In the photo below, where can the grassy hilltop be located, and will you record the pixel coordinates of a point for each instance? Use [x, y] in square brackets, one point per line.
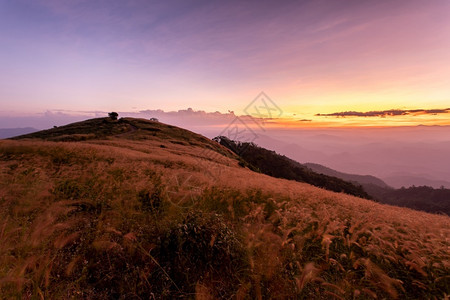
[134, 209]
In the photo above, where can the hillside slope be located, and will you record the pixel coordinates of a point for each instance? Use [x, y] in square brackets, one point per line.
[271, 163]
[423, 198]
[142, 213]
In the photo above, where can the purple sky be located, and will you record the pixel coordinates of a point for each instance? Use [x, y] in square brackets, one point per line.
[310, 56]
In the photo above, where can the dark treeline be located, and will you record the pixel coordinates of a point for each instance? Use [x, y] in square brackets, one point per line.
[423, 198]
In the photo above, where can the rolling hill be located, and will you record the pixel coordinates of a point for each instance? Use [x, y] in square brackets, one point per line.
[365, 186]
[134, 209]
[276, 165]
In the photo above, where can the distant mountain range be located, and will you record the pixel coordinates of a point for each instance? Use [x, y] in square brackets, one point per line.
[419, 156]
[273, 164]
[420, 196]
[399, 181]
[269, 162]
[11, 132]
[361, 179]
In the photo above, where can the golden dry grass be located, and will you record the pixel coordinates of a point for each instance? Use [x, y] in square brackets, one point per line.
[90, 220]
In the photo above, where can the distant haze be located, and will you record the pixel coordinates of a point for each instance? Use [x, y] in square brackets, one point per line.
[11, 132]
[399, 156]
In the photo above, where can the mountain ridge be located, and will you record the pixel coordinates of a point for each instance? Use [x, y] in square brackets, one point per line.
[273, 164]
[399, 181]
[361, 179]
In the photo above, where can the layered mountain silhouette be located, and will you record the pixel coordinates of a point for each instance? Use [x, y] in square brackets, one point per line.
[407, 180]
[420, 197]
[365, 186]
[364, 180]
[280, 166]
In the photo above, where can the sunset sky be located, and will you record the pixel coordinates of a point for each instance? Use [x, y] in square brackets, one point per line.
[312, 58]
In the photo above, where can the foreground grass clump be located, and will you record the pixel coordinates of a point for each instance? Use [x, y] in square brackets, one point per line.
[202, 249]
[103, 231]
[108, 220]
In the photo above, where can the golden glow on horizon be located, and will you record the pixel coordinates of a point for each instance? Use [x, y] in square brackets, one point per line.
[351, 121]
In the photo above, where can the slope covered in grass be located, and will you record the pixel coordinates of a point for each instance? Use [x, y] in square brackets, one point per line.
[271, 163]
[423, 198]
[134, 215]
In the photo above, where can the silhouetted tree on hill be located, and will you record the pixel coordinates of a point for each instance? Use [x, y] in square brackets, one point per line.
[113, 115]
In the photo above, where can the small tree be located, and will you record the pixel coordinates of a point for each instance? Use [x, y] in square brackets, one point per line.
[113, 115]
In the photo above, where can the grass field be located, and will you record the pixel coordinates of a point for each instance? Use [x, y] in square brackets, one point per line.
[142, 210]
